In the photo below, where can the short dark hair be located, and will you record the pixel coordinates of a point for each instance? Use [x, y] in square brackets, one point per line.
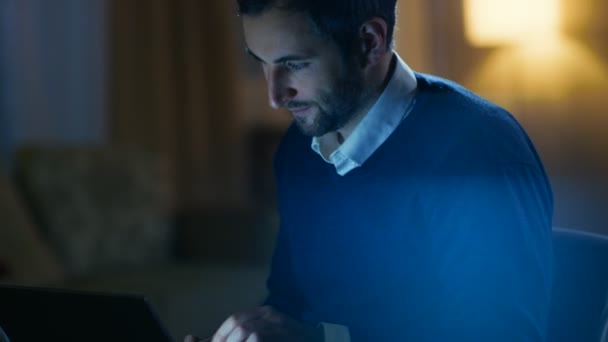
[338, 20]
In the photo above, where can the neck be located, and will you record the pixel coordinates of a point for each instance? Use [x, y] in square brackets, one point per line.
[377, 76]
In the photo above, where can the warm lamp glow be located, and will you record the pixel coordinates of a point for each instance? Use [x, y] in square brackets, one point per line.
[500, 22]
[548, 72]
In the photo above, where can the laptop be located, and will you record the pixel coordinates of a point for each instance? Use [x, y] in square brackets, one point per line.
[39, 314]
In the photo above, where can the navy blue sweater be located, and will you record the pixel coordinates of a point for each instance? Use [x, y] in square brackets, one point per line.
[443, 234]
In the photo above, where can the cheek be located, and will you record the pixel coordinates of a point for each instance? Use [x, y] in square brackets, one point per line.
[306, 88]
[312, 86]
[316, 81]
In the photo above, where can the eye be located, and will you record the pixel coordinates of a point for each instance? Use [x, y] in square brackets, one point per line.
[295, 66]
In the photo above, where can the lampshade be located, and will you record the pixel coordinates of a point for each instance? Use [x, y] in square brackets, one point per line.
[500, 22]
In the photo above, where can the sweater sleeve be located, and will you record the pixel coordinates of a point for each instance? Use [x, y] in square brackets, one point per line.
[283, 292]
[491, 257]
[486, 264]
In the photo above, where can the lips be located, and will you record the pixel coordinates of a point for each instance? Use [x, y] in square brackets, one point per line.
[299, 111]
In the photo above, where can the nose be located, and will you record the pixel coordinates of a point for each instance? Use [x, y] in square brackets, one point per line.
[279, 89]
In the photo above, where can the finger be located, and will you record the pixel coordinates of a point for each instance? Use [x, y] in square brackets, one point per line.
[250, 330]
[253, 338]
[235, 321]
[245, 332]
[239, 334]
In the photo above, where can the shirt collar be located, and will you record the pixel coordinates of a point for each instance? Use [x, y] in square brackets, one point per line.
[377, 125]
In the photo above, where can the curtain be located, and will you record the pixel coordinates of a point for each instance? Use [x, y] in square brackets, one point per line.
[6, 9]
[174, 68]
[52, 69]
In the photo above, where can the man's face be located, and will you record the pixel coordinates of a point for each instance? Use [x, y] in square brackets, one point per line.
[305, 73]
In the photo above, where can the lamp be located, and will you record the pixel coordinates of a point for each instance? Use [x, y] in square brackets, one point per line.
[535, 62]
[500, 22]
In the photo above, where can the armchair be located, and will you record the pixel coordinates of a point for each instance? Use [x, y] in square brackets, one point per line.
[580, 286]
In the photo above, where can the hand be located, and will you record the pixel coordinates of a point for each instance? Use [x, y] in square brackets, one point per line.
[266, 324]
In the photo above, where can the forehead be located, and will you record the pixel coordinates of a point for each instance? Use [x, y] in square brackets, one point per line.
[277, 32]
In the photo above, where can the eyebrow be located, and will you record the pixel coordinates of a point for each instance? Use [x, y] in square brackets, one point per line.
[283, 59]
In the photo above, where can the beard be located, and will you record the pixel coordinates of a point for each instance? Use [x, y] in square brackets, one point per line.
[335, 107]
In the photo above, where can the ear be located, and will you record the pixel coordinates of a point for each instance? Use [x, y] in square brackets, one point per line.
[373, 40]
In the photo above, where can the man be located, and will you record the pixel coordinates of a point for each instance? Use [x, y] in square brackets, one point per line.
[416, 212]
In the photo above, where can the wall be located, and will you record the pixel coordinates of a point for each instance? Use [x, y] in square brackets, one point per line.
[173, 89]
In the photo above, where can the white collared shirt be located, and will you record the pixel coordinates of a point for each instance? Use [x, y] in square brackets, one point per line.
[393, 105]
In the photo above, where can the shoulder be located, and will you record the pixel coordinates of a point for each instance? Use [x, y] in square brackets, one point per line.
[469, 125]
[452, 102]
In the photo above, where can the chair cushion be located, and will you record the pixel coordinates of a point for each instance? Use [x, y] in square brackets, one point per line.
[580, 286]
[103, 208]
[25, 256]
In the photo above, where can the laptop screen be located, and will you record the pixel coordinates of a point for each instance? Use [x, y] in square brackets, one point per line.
[30, 314]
